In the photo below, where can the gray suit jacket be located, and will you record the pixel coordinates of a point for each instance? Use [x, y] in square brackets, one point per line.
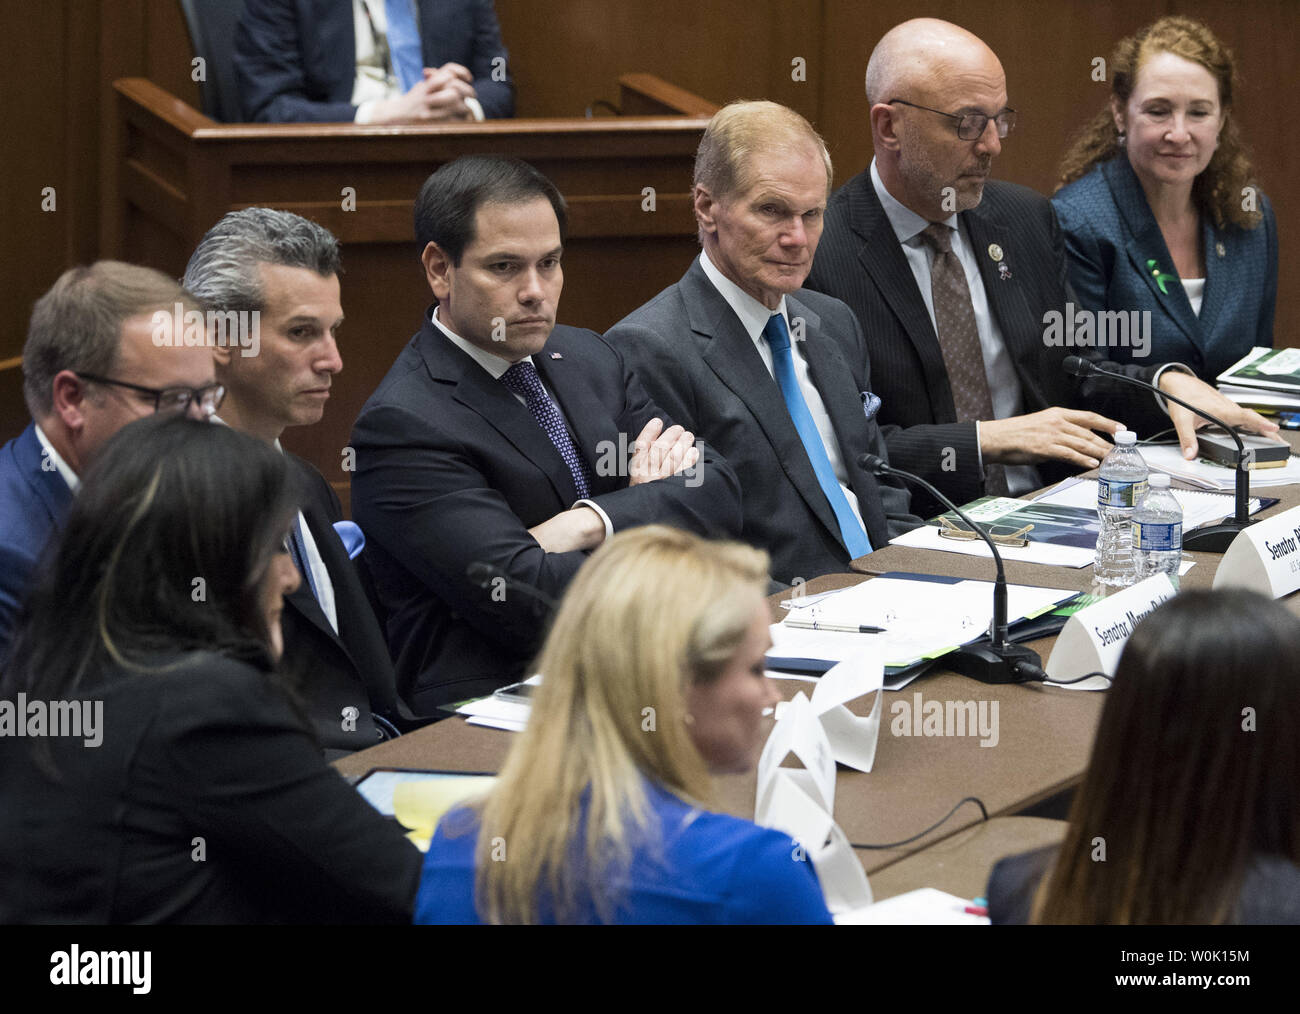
[697, 362]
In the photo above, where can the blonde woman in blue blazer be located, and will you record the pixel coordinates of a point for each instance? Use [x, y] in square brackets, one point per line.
[1160, 210]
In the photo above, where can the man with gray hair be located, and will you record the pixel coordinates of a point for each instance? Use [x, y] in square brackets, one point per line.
[105, 345]
[274, 276]
[954, 277]
[716, 350]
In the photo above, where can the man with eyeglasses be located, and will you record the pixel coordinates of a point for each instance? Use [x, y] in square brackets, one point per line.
[92, 363]
[951, 275]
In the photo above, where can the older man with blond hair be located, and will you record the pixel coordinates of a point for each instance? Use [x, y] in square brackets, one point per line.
[776, 377]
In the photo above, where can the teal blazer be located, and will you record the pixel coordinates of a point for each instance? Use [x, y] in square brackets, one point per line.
[1111, 238]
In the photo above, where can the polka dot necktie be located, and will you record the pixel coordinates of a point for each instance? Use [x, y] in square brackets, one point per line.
[522, 379]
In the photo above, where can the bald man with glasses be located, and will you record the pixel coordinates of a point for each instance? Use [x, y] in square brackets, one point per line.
[951, 276]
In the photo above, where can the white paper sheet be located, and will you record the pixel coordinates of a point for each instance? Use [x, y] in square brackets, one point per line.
[852, 737]
[497, 723]
[927, 906]
[1199, 506]
[922, 618]
[1167, 458]
[798, 732]
[497, 708]
[796, 801]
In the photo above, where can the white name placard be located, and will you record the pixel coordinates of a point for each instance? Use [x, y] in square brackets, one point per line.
[1093, 638]
[1264, 557]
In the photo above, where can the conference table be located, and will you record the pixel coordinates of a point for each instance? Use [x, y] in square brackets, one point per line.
[1044, 739]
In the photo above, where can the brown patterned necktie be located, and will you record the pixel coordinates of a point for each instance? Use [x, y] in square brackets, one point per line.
[959, 341]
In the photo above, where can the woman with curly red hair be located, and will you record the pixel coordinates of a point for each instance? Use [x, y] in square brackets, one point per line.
[1160, 207]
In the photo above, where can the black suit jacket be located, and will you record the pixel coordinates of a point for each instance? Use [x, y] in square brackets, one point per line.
[860, 261]
[694, 356]
[452, 470]
[205, 801]
[295, 60]
[336, 671]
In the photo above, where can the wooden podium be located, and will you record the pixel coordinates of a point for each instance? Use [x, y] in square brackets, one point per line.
[171, 173]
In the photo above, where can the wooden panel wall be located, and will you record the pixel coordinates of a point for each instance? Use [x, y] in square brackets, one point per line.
[565, 53]
[727, 49]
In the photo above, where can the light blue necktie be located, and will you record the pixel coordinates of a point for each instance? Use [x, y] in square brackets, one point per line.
[404, 43]
[855, 538]
[299, 546]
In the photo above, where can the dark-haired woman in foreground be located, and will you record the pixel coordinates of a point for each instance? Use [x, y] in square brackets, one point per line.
[194, 791]
[653, 678]
[1190, 809]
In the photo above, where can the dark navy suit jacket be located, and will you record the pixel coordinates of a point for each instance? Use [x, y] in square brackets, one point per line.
[347, 669]
[1111, 234]
[295, 60]
[33, 503]
[453, 470]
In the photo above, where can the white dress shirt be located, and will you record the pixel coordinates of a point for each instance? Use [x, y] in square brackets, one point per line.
[64, 469]
[372, 83]
[496, 368]
[1004, 385]
[753, 317]
[320, 575]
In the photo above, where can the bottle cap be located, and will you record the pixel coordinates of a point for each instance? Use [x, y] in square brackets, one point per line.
[1158, 480]
[1126, 437]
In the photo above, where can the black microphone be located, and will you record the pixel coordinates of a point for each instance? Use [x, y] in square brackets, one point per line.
[999, 661]
[1214, 538]
[482, 574]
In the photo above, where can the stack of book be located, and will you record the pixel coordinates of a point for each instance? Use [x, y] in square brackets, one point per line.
[1267, 380]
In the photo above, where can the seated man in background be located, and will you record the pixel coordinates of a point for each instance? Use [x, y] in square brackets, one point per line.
[953, 277]
[372, 61]
[103, 348]
[716, 350]
[501, 439]
[283, 271]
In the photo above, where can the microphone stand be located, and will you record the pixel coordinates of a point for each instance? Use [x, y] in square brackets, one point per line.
[1000, 660]
[482, 574]
[1214, 538]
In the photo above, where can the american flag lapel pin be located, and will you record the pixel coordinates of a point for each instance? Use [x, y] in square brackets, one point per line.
[556, 355]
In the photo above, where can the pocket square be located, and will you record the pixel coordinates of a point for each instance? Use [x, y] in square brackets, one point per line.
[352, 537]
[870, 404]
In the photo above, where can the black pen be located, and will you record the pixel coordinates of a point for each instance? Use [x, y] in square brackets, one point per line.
[842, 628]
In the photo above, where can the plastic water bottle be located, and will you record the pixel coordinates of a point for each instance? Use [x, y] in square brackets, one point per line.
[1158, 531]
[1121, 485]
